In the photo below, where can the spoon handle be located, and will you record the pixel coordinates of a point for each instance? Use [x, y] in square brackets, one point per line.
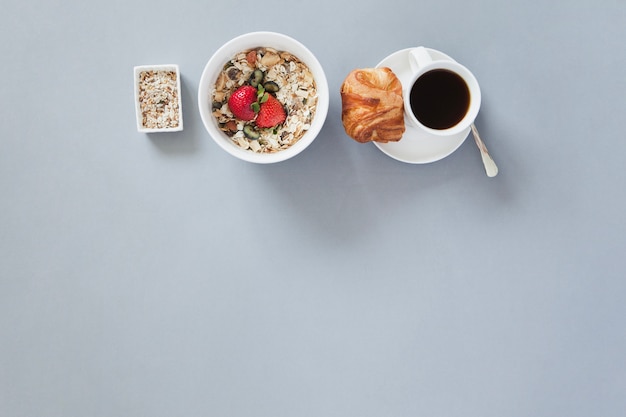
[490, 166]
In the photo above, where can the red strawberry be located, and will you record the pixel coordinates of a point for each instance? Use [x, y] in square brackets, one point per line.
[240, 102]
[271, 113]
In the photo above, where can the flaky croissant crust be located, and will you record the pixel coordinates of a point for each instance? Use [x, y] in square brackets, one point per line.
[372, 108]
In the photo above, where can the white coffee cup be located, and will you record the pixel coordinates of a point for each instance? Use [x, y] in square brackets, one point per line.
[435, 99]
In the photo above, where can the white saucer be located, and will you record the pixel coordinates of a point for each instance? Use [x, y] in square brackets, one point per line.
[416, 146]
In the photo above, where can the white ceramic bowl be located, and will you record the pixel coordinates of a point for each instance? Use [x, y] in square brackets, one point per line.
[171, 67]
[224, 54]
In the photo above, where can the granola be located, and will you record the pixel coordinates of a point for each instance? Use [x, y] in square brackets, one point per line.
[285, 76]
[158, 99]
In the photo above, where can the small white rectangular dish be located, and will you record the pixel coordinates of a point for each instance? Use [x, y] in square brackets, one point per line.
[158, 101]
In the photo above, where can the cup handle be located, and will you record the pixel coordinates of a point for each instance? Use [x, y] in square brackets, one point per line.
[419, 57]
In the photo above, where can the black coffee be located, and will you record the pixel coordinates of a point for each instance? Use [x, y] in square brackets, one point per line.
[439, 99]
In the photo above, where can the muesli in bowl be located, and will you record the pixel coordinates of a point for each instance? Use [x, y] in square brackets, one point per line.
[263, 97]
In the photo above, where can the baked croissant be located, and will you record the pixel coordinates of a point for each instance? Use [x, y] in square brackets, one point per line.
[372, 108]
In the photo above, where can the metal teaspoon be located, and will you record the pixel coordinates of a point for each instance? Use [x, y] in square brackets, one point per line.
[490, 166]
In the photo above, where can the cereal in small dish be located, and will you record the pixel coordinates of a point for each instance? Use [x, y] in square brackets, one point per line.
[158, 103]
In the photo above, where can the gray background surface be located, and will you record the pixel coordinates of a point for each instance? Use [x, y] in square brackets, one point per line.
[155, 275]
